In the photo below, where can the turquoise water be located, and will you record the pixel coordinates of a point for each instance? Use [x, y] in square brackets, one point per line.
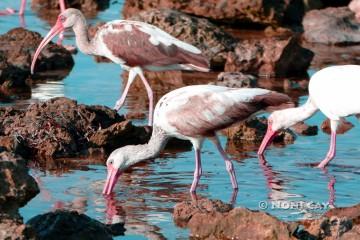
[145, 196]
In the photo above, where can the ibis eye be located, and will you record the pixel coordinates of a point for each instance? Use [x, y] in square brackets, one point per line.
[62, 18]
[111, 162]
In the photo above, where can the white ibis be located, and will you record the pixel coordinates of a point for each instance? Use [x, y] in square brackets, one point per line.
[134, 45]
[10, 11]
[333, 91]
[194, 113]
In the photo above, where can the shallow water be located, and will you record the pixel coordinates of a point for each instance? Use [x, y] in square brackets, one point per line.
[145, 196]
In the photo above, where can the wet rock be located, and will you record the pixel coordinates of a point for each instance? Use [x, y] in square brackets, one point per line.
[17, 188]
[209, 221]
[61, 127]
[343, 126]
[184, 211]
[119, 134]
[135, 115]
[270, 57]
[235, 11]
[49, 9]
[253, 131]
[68, 225]
[17, 48]
[302, 128]
[236, 79]
[331, 26]
[212, 40]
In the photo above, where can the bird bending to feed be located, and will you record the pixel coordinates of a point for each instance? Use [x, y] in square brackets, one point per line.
[333, 91]
[134, 45]
[194, 113]
[10, 11]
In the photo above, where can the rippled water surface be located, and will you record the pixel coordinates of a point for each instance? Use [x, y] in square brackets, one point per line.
[146, 195]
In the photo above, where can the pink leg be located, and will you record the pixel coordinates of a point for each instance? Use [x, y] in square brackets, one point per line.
[22, 7]
[228, 163]
[121, 100]
[150, 96]
[198, 170]
[332, 150]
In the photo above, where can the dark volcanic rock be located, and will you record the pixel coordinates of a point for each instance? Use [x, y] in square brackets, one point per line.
[19, 45]
[210, 39]
[49, 9]
[331, 26]
[270, 57]
[253, 131]
[234, 11]
[62, 128]
[68, 225]
[17, 188]
[236, 79]
[210, 219]
[304, 129]
[343, 126]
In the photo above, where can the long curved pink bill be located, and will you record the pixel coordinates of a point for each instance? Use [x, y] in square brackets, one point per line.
[51, 34]
[269, 136]
[112, 177]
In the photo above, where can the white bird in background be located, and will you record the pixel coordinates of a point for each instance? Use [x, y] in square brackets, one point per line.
[134, 45]
[334, 91]
[194, 113]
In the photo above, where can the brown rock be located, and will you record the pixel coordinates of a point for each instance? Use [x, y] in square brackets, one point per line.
[253, 131]
[184, 211]
[331, 26]
[18, 47]
[304, 129]
[61, 128]
[119, 134]
[17, 188]
[234, 11]
[69, 225]
[216, 220]
[212, 40]
[270, 57]
[49, 9]
[236, 79]
[343, 126]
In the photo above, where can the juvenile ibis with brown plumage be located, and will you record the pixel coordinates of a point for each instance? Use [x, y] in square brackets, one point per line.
[134, 45]
[194, 113]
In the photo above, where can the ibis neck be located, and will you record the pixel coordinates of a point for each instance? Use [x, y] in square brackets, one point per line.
[151, 149]
[82, 39]
[302, 112]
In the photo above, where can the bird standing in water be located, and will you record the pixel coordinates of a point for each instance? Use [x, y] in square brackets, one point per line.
[194, 113]
[134, 45]
[333, 91]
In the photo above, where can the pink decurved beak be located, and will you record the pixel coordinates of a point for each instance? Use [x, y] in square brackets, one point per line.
[55, 30]
[112, 177]
[269, 136]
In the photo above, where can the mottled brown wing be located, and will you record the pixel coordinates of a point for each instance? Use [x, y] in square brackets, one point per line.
[135, 48]
[204, 114]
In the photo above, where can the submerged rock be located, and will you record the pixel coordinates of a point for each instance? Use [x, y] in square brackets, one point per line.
[331, 26]
[61, 127]
[236, 79]
[212, 219]
[343, 126]
[212, 40]
[17, 188]
[69, 225]
[235, 11]
[270, 57]
[304, 129]
[253, 131]
[17, 48]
